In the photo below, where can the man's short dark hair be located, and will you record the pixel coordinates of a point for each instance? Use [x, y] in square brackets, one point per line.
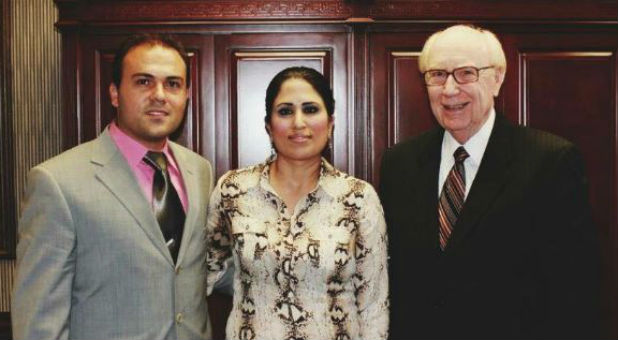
[164, 40]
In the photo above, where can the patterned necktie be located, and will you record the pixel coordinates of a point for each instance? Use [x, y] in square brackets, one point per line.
[166, 203]
[452, 196]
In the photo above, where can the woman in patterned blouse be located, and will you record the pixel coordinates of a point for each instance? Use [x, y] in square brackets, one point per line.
[308, 241]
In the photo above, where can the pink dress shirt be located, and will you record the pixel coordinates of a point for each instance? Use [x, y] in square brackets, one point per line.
[134, 153]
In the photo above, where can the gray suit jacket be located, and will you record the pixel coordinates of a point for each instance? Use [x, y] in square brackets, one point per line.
[92, 261]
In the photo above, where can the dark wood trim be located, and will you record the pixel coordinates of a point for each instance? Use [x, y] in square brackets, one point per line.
[495, 9]
[5, 326]
[7, 154]
[71, 107]
[359, 99]
[74, 12]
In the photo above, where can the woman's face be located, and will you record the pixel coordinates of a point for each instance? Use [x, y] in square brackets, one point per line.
[299, 126]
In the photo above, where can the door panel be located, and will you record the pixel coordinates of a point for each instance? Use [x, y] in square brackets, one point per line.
[245, 64]
[399, 106]
[572, 93]
[253, 74]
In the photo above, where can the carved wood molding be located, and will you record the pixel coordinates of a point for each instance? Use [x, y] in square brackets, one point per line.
[495, 9]
[114, 11]
[75, 12]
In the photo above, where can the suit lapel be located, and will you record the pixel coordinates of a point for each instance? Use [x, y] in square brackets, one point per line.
[192, 189]
[114, 172]
[490, 180]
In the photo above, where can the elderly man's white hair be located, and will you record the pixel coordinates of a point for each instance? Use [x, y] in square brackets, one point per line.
[492, 44]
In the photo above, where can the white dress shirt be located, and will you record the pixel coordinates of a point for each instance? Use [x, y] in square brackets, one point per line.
[475, 146]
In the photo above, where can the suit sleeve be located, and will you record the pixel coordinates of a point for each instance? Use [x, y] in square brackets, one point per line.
[385, 193]
[570, 259]
[45, 261]
[371, 272]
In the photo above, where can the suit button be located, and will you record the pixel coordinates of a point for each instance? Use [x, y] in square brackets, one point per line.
[179, 318]
[178, 270]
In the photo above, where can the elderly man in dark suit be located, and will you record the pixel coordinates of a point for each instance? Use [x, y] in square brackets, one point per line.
[489, 224]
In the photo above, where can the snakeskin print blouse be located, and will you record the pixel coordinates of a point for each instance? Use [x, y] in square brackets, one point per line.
[320, 273]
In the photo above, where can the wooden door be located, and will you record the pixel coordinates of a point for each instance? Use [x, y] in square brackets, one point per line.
[245, 64]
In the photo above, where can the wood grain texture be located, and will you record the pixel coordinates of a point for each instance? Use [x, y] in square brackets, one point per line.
[98, 11]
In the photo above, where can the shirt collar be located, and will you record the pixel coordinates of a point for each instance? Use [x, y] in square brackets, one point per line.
[476, 145]
[325, 181]
[132, 150]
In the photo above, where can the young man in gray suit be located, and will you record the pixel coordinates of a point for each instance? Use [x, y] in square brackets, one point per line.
[489, 223]
[111, 240]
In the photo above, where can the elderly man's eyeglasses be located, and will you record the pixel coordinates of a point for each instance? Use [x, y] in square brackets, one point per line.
[462, 75]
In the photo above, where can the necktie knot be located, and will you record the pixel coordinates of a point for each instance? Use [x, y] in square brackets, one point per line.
[460, 154]
[156, 160]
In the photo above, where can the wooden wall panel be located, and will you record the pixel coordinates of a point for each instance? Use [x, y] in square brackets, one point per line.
[245, 64]
[30, 117]
[410, 114]
[399, 105]
[95, 105]
[573, 94]
[253, 72]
